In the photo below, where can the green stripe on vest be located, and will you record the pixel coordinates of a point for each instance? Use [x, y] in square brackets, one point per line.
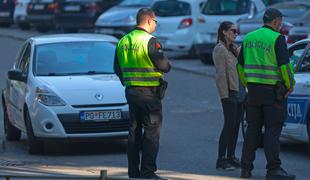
[260, 64]
[134, 60]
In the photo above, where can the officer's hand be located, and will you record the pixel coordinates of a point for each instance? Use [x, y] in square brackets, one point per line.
[288, 93]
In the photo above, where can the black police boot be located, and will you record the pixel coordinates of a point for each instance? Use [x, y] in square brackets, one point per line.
[234, 161]
[245, 173]
[279, 174]
[223, 164]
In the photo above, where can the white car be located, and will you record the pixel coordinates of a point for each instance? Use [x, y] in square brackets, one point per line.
[214, 12]
[63, 87]
[20, 14]
[297, 125]
[177, 25]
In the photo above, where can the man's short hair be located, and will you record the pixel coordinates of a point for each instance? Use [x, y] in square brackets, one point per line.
[271, 14]
[143, 13]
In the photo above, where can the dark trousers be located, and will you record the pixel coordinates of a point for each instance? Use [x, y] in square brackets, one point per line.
[233, 113]
[145, 110]
[263, 110]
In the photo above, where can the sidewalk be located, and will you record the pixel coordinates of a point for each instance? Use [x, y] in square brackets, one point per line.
[193, 65]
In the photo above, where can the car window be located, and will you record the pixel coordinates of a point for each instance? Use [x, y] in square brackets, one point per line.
[19, 54]
[136, 3]
[295, 54]
[305, 64]
[270, 2]
[226, 7]
[42, 1]
[172, 8]
[24, 63]
[74, 58]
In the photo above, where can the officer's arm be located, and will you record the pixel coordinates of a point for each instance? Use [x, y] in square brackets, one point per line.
[157, 56]
[240, 68]
[286, 67]
[117, 68]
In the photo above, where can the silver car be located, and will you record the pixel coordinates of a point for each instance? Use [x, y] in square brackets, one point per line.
[120, 19]
[293, 14]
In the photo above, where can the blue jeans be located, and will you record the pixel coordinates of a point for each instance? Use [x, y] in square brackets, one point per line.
[145, 110]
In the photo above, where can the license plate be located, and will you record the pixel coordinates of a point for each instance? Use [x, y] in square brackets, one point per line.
[100, 115]
[106, 31]
[38, 7]
[4, 14]
[72, 8]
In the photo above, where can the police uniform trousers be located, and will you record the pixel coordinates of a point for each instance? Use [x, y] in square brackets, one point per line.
[263, 110]
[145, 110]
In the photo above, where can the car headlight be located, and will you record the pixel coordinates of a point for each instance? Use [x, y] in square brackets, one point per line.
[48, 98]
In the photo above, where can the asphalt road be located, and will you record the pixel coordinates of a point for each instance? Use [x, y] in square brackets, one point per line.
[191, 127]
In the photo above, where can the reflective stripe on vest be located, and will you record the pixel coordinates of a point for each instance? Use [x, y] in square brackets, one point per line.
[137, 67]
[260, 64]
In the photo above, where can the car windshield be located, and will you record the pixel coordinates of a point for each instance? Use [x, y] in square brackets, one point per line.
[74, 58]
[136, 3]
[172, 8]
[226, 7]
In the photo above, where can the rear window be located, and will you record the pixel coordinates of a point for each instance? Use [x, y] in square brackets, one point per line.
[172, 8]
[74, 58]
[226, 7]
[136, 3]
[270, 2]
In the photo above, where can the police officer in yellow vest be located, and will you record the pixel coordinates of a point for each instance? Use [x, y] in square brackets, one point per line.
[265, 71]
[140, 64]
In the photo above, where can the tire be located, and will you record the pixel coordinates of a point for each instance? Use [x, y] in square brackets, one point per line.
[192, 52]
[6, 25]
[42, 29]
[34, 146]
[206, 59]
[11, 132]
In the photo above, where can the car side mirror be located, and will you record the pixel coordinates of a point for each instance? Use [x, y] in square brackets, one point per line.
[16, 75]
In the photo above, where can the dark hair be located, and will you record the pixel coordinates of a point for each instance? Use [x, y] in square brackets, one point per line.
[143, 13]
[225, 26]
[271, 14]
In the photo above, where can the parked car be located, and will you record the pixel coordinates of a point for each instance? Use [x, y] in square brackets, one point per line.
[297, 125]
[294, 13]
[120, 19]
[63, 87]
[20, 14]
[300, 30]
[177, 24]
[73, 15]
[41, 14]
[6, 12]
[216, 11]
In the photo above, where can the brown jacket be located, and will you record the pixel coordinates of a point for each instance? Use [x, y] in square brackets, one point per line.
[226, 71]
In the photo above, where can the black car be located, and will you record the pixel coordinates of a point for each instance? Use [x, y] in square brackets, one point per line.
[41, 14]
[6, 12]
[73, 15]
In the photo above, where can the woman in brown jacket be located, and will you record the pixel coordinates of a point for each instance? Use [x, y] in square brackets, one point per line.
[230, 90]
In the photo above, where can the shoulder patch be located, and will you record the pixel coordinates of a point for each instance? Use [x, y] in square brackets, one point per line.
[158, 45]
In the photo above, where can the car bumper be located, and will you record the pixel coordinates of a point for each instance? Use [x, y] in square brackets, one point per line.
[41, 20]
[117, 31]
[75, 21]
[63, 123]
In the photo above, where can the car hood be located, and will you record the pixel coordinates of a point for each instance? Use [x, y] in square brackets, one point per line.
[82, 90]
[118, 16]
[302, 84]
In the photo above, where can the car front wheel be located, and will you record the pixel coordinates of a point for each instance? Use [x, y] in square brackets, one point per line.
[11, 132]
[34, 146]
